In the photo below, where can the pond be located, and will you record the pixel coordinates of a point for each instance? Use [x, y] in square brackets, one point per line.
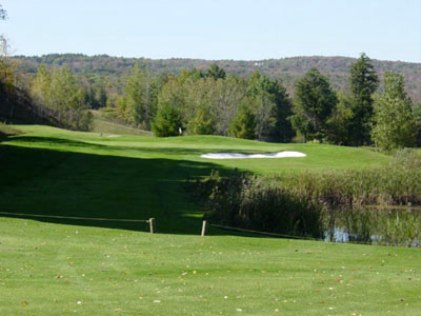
[384, 226]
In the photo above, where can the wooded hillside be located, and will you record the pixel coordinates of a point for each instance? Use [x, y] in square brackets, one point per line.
[287, 69]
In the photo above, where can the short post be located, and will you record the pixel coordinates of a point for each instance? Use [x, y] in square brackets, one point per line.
[152, 226]
[204, 228]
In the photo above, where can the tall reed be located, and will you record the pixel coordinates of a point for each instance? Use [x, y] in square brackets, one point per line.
[298, 205]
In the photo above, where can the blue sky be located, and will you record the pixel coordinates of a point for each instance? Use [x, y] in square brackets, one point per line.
[216, 29]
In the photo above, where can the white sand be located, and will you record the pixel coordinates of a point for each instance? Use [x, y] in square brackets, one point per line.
[281, 154]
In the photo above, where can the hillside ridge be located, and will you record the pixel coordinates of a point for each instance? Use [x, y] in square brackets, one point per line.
[288, 69]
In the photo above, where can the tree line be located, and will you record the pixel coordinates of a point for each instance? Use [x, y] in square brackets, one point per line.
[361, 117]
[214, 102]
[290, 69]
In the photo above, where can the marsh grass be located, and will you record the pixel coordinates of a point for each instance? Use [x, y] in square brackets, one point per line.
[385, 226]
[254, 203]
[397, 183]
[304, 205]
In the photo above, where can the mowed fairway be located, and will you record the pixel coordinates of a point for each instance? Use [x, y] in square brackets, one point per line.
[112, 268]
[53, 269]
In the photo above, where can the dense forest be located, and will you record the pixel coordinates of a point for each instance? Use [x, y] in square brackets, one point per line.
[325, 99]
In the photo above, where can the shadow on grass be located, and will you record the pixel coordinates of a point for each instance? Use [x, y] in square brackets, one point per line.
[115, 147]
[47, 182]
[57, 142]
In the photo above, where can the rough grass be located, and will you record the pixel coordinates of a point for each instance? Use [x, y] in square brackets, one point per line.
[51, 269]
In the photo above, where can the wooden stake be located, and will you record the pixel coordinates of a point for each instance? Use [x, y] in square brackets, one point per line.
[152, 226]
[204, 228]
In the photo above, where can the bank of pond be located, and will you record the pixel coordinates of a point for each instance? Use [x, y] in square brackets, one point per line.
[381, 206]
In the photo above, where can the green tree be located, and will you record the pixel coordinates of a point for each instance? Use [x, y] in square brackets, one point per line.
[41, 86]
[272, 106]
[225, 97]
[95, 93]
[173, 92]
[314, 103]
[417, 113]
[340, 121]
[206, 105]
[203, 122]
[138, 106]
[66, 98]
[394, 121]
[198, 110]
[244, 124]
[363, 82]
[215, 72]
[167, 122]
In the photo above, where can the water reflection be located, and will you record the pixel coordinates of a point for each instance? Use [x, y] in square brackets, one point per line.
[397, 227]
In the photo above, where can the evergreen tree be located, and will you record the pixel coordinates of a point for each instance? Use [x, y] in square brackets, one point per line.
[244, 124]
[215, 72]
[202, 123]
[363, 82]
[273, 108]
[96, 94]
[394, 121]
[340, 121]
[314, 103]
[168, 121]
[262, 102]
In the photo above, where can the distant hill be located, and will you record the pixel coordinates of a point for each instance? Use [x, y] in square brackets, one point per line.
[287, 69]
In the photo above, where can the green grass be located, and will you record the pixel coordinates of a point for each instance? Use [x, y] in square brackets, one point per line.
[113, 268]
[319, 156]
[46, 269]
[52, 171]
[106, 126]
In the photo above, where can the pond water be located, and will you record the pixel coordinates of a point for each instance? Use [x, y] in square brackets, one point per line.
[391, 226]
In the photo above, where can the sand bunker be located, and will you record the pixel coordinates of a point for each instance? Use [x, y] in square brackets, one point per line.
[282, 154]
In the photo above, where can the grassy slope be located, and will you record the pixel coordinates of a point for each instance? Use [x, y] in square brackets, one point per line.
[103, 125]
[47, 269]
[320, 157]
[51, 171]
